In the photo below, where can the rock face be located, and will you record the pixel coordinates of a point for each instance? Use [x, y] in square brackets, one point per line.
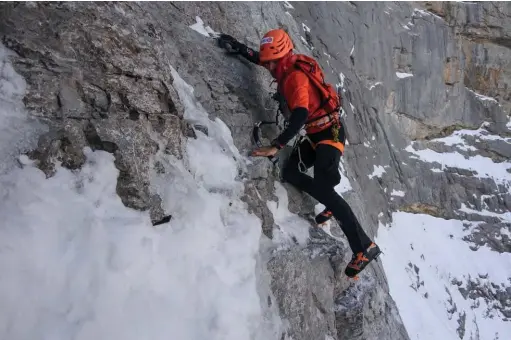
[100, 76]
[96, 87]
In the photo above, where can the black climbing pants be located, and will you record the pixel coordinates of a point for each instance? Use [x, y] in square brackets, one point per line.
[325, 159]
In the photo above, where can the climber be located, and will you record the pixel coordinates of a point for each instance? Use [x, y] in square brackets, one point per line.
[314, 107]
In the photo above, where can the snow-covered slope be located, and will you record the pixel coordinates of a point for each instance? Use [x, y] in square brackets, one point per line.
[75, 263]
[447, 277]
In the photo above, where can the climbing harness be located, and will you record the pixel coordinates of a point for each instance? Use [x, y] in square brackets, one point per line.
[330, 118]
[331, 104]
[302, 137]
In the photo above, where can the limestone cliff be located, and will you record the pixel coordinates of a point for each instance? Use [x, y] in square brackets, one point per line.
[99, 75]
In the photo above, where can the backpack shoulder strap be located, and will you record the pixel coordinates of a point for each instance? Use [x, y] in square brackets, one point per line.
[316, 76]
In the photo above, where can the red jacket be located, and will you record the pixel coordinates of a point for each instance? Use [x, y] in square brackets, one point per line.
[299, 91]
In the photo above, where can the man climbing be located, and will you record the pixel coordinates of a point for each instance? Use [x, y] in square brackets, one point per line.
[314, 106]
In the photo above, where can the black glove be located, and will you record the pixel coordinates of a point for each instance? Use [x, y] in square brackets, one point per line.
[229, 43]
[233, 46]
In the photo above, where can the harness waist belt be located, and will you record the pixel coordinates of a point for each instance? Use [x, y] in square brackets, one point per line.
[323, 121]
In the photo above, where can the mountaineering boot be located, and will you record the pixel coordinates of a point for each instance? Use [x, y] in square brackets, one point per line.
[360, 260]
[323, 217]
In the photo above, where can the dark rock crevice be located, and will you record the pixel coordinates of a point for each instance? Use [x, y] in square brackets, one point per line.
[95, 142]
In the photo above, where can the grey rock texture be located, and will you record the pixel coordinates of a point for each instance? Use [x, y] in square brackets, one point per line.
[365, 311]
[99, 75]
[98, 87]
[309, 309]
[486, 39]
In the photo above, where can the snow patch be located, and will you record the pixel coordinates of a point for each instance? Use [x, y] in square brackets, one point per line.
[291, 226]
[306, 43]
[204, 30]
[341, 78]
[288, 5]
[483, 167]
[483, 97]
[352, 50]
[504, 217]
[374, 85]
[483, 198]
[409, 25]
[306, 28]
[18, 132]
[12, 85]
[456, 138]
[402, 75]
[352, 107]
[397, 193]
[378, 171]
[420, 13]
[344, 185]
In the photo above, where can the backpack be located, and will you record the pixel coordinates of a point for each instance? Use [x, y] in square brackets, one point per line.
[331, 100]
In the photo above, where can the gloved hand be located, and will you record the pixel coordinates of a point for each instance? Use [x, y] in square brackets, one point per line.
[229, 43]
[233, 46]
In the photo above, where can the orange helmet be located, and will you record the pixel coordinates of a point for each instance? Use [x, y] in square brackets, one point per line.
[274, 45]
